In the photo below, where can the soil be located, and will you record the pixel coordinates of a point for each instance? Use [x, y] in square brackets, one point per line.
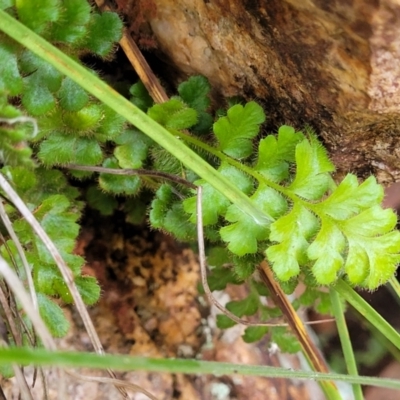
[150, 306]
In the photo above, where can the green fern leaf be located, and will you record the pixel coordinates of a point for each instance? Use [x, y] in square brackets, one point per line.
[292, 231]
[103, 31]
[111, 125]
[118, 184]
[285, 340]
[71, 25]
[38, 14]
[254, 333]
[194, 92]
[215, 203]
[243, 234]
[327, 249]
[88, 288]
[66, 149]
[10, 79]
[140, 96]
[374, 247]
[133, 148]
[173, 114]
[349, 198]
[236, 131]
[72, 96]
[166, 213]
[275, 153]
[53, 316]
[313, 168]
[40, 83]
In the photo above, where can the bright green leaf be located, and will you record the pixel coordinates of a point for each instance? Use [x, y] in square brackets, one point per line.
[327, 249]
[292, 233]
[88, 288]
[243, 234]
[275, 153]
[10, 78]
[224, 322]
[285, 340]
[350, 198]
[67, 149]
[111, 125]
[312, 177]
[86, 119]
[215, 203]
[236, 131]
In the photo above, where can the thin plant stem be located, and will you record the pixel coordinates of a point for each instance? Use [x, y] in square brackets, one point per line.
[338, 312]
[18, 289]
[8, 225]
[139, 171]
[116, 382]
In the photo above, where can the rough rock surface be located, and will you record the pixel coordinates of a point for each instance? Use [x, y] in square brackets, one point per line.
[332, 65]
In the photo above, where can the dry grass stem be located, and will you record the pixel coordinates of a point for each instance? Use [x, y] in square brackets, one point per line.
[8, 225]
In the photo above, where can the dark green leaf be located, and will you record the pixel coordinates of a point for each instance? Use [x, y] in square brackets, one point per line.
[72, 96]
[37, 16]
[195, 91]
[140, 96]
[101, 201]
[118, 184]
[53, 316]
[103, 31]
[286, 341]
[254, 333]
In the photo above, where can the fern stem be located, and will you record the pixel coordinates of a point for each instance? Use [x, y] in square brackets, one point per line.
[243, 167]
[345, 341]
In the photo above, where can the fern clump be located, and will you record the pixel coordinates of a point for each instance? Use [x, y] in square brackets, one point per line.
[65, 125]
[312, 229]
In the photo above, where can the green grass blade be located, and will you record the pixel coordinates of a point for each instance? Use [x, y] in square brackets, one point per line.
[345, 341]
[395, 285]
[40, 357]
[352, 297]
